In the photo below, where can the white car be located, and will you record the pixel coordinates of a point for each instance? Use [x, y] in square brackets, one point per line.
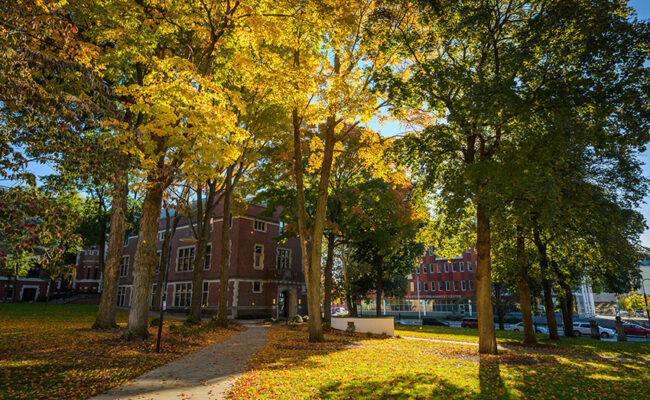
[520, 328]
[584, 328]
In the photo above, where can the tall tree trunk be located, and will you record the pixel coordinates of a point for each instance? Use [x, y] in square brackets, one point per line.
[566, 302]
[312, 274]
[546, 286]
[222, 313]
[487, 338]
[107, 303]
[144, 264]
[379, 284]
[329, 262]
[524, 290]
[102, 245]
[170, 231]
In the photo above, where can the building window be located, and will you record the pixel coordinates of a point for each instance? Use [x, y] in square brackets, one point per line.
[425, 287]
[182, 294]
[455, 286]
[161, 236]
[446, 267]
[447, 286]
[454, 266]
[126, 240]
[431, 268]
[412, 286]
[463, 287]
[206, 292]
[284, 259]
[471, 285]
[259, 226]
[153, 293]
[258, 254]
[281, 228]
[185, 260]
[433, 286]
[469, 266]
[440, 286]
[417, 270]
[438, 267]
[257, 287]
[461, 266]
[208, 257]
[121, 295]
[159, 254]
[124, 266]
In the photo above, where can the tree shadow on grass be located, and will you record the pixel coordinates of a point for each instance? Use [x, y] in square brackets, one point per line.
[405, 386]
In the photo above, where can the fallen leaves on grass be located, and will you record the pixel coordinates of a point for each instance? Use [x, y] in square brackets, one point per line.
[48, 352]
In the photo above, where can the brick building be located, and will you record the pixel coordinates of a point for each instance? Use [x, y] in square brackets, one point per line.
[266, 277]
[444, 285]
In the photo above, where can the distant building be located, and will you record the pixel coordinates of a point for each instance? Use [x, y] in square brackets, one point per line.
[265, 277]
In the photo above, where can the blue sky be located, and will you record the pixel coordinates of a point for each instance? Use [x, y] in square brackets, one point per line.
[393, 128]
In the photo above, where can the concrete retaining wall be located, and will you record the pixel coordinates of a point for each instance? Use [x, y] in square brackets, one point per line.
[372, 325]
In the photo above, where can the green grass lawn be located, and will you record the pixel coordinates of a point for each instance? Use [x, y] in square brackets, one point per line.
[358, 367]
[510, 338]
[50, 352]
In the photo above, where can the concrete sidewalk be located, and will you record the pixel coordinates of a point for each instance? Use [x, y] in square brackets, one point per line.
[208, 373]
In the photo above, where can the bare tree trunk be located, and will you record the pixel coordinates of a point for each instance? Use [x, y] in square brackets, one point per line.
[222, 313]
[329, 262]
[546, 286]
[524, 290]
[107, 303]
[487, 338]
[144, 265]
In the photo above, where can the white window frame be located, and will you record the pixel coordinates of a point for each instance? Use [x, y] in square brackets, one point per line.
[454, 267]
[461, 266]
[205, 294]
[121, 296]
[279, 251]
[447, 286]
[261, 286]
[455, 286]
[185, 293]
[433, 286]
[207, 262]
[471, 284]
[178, 258]
[431, 268]
[446, 267]
[425, 287]
[463, 286]
[440, 286]
[469, 266]
[259, 226]
[122, 265]
[438, 268]
[417, 269]
[261, 263]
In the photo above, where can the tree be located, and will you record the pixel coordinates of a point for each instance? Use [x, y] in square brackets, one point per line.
[37, 228]
[484, 70]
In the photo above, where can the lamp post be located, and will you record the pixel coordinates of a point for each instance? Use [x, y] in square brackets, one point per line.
[645, 298]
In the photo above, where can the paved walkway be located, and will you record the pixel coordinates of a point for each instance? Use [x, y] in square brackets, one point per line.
[524, 350]
[208, 373]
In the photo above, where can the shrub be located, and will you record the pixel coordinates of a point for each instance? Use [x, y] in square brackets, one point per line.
[305, 318]
[297, 319]
[191, 321]
[154, 321]
[351, 327]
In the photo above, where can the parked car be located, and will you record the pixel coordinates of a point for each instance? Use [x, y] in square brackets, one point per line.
[434, 322]
[520, 328]
[639, 313]
[584, 328]
[469, 323]
[636, 330]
